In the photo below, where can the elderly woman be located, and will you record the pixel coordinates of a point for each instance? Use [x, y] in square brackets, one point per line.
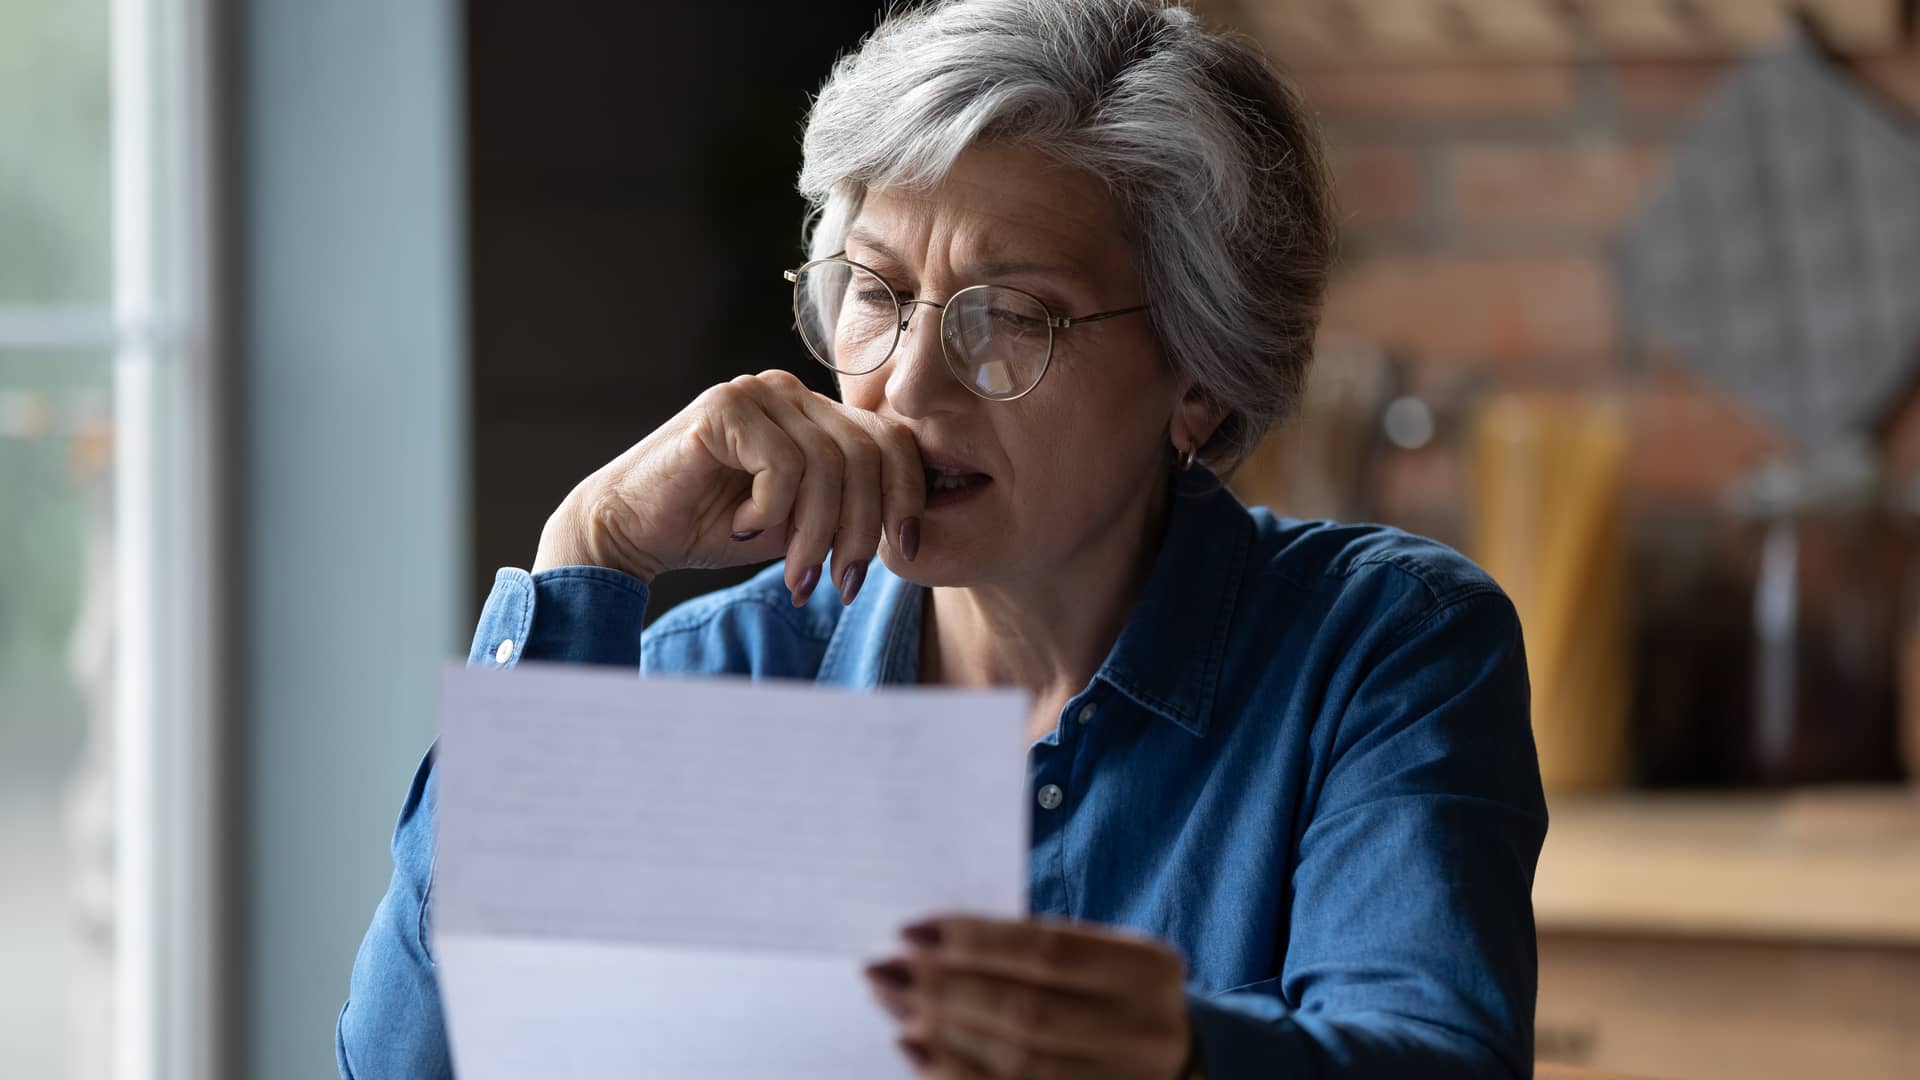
[1067, 262]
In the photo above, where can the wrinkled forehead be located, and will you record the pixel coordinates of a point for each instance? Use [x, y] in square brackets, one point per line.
[996, 207]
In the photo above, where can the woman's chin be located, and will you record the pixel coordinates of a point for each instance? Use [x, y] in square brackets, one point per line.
[933, 567]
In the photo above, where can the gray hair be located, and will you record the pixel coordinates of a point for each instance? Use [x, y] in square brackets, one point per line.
[1214, 162]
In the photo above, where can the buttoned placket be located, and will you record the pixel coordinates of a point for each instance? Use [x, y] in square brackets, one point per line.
[1052, 760]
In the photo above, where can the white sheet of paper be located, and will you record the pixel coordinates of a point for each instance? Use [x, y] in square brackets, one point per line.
[656, 878]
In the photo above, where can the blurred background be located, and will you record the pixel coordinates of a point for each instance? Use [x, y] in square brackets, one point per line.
[310, 313]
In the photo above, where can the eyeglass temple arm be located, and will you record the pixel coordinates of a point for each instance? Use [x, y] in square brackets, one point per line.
[1074, 320]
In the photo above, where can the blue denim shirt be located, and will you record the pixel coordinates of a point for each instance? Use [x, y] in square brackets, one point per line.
[1306, 764]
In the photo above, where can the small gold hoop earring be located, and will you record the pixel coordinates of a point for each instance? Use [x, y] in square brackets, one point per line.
[1184, 459]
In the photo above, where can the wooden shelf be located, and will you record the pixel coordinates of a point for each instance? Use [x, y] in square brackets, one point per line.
[1823, 866]
[1372, 31]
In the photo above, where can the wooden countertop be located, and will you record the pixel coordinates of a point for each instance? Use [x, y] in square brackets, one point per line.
[1549, 1071]
[1830, 866]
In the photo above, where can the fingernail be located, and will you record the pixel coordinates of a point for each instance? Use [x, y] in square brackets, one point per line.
[743, 537]
[910, 538]
[892, 974]
[925, 935]
[805, 588]
[916, 1050]
[850, 581]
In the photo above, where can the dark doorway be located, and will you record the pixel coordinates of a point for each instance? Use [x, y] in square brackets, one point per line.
[631, 205]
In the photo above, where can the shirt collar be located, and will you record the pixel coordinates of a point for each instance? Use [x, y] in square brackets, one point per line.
[1169, 655]
[877, 640]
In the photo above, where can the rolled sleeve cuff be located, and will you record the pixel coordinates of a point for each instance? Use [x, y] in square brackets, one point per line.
[570, 614]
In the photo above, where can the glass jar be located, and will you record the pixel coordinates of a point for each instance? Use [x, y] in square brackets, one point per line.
[1827, 555]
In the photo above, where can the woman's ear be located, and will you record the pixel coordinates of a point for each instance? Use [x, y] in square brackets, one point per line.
[1196, 418]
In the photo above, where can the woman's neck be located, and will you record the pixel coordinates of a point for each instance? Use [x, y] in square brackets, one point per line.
[1050, 631]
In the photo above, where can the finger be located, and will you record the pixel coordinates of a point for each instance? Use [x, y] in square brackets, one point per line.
[945, 1061]
[861, 522]
[1104, 961]
[737, 432]
[903, 481]
[816, 507]
[918, 1053]
[1039, 1019]
[957, 1051]
[993, 1055]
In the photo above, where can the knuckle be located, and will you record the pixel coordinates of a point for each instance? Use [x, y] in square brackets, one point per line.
[862, 457]
[1055, 951]
[825, 451]
[786, 457]
[1027, 1010]
[896, 439]
[781, 379]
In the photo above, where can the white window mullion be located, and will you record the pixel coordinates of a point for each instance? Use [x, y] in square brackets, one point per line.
[167, 435]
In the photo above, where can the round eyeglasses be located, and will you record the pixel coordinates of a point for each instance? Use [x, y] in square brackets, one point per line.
[998, 340]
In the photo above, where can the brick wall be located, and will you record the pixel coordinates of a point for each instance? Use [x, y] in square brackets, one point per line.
[1480, 202]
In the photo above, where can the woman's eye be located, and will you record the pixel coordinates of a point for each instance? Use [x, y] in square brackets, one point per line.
[872, 296]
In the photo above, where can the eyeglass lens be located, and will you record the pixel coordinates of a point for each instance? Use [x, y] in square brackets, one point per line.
[996, 340]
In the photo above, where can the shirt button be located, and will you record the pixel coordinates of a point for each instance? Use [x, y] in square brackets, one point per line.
[1050, 796]
[505, 650]
[1086, 712]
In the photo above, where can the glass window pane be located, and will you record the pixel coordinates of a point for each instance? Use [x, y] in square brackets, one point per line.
[55, 714]
[55, 219]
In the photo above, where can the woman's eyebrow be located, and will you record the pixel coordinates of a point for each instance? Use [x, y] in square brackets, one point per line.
[874, 244]
[988, 267]
[996, 266]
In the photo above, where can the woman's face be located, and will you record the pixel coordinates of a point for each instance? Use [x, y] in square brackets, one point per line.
[1081, 455]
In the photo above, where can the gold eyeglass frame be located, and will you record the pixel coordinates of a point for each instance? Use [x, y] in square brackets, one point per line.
[1054, 323]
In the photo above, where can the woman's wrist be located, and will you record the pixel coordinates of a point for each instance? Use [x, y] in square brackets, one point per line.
[569, 539]
[560, 543]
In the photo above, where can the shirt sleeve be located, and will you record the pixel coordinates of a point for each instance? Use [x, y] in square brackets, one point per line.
[571, 614]
[1412, 949]
[391, 1025]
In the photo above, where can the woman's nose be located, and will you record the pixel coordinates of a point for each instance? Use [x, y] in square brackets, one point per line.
[918, 382]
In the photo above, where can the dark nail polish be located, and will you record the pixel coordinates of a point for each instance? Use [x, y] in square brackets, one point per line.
[925, 935]
[892, 974]
[851, 580]
[910, 538]
[805, 588]
[916, 1050]
[743, 537]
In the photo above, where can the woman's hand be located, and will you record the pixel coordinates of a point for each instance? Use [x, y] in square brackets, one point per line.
[752, 469]
[1044, 1000]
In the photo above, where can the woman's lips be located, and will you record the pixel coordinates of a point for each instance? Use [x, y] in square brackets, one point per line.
[948, 489]
[950, 479]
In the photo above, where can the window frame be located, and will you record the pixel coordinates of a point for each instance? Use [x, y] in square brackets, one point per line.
[170, 432]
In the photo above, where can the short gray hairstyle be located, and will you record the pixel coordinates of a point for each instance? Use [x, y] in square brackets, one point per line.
[1213, 159]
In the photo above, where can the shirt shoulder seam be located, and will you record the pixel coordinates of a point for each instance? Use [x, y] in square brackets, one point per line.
[1443, 595]
[1441, 609]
